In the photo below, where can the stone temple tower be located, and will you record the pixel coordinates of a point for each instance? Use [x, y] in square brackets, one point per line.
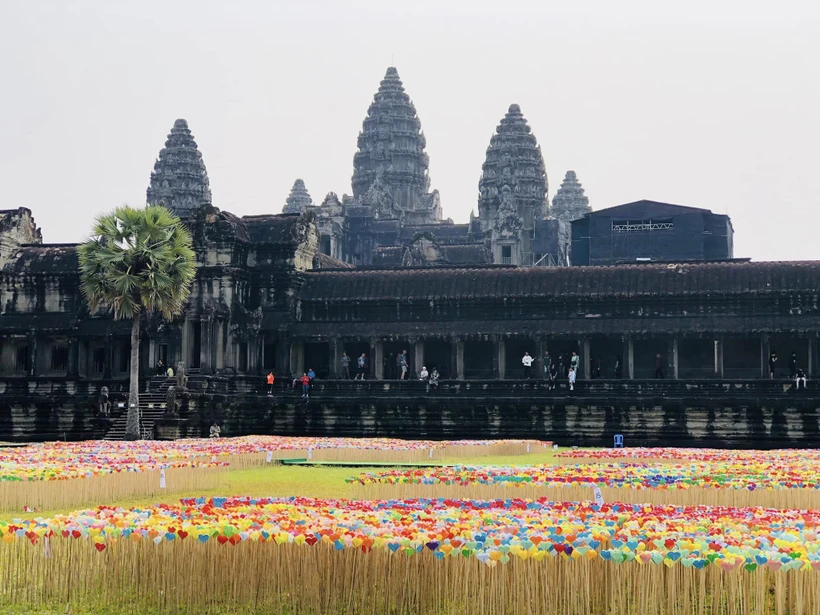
[179, 179]
[391, 154]
[299, 199]
[570, 202]
[512, 190]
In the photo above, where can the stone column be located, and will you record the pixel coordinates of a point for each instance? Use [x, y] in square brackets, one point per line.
[73, 357]
[205, 351]
[586, 359]
[764, 356]
[675, 361]
[152, 354]
[378, 360]
[719, 358]
[459, 373]
[539, 358]
[418, 360]
[283, 362]
[108, 367]
[336, 357]
[501, 358]
[33, 369]
[810, 367]
[629, 359]
[297, 358]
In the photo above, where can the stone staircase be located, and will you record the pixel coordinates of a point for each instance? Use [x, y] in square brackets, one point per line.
[152, 407]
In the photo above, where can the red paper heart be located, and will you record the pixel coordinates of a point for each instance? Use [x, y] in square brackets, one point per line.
[76, 533]
[182, 534]
[99, 546]
[311, 540]
[222, 539]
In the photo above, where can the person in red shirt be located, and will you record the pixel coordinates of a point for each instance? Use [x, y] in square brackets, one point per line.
[270, 383]
[305, 386]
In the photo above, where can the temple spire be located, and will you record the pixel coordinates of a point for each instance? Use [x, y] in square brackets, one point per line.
[570, 202]
[179, 179]
[391, 149]
[299, 199]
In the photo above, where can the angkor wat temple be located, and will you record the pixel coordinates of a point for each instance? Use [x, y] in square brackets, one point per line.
[380, 272]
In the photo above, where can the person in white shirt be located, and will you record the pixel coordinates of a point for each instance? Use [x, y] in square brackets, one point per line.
[424, 374]
[527, 361]
[572, 373]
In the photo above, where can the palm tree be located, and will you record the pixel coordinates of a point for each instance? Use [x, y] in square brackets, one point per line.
[137, 260]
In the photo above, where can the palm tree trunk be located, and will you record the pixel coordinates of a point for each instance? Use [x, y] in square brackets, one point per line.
[132, 421]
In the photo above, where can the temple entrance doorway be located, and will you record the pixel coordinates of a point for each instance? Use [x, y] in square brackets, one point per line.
[644, 354]
[741, 358]
[696, 358]
[390, 351]
[478, 360]
[354, 350]
[438, 354]
[317, 358]
[513, 354]
[196, 344]
[609, 351]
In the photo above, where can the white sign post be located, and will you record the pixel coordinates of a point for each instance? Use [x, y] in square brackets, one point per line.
[599, 497]
[269, 458]
[162, 478]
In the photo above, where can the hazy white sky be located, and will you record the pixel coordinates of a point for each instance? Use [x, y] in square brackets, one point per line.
[710, 104]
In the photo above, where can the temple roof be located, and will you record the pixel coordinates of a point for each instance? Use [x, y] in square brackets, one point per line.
[299, 199]
[179, 179]
[514, 160]
[283, 228]
[391, 148]
[646, 208]
[613, 281]
[32, 259]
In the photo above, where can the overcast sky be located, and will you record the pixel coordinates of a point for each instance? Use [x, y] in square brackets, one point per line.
[710, 104]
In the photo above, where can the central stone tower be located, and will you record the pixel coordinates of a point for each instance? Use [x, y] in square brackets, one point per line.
[512, 190]
[391, 155]
[179, 179]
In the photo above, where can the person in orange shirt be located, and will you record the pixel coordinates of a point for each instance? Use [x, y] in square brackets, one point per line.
[270, 383]
[305, 386]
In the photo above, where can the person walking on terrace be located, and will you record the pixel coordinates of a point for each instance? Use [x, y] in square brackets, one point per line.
[572, 375]
[553, 376]
[270, 380]
[305, 386]
[362, 364]
[547, 363]
[658, 366]
[793, 366]
[527, 361]
[403, 363]
[574, 362]
[772, 365]
[345, 366]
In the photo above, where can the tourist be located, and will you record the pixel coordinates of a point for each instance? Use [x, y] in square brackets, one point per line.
[434, 376]
[270, 381]
[402, 362]
[596, 372]
[574, 362]
[527, 361]
[170, 372]
[362, 365]
[215, 430]
[345, 366]
[562, 371]
[424, 374]
[160, 368]
[553, 376]
[572, 376]
[305, 386]
[618, 367]
[799, 376]
[311, 376]
[658, 366]
[772, 364]
[793, 365]
[547, 363]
